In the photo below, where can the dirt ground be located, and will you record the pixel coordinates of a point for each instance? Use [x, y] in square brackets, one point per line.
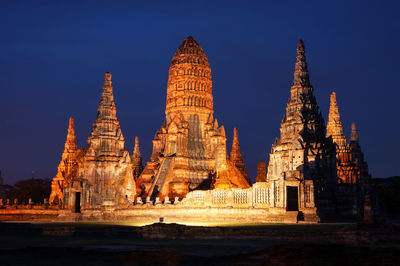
[172, 244]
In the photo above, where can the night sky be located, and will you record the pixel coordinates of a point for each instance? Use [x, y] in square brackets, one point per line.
[53, 57]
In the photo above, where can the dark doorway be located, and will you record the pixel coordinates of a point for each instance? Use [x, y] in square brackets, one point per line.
[292, 202]
[77, 202]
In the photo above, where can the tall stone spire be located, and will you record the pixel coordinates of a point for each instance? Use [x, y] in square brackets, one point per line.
[105, 172]
[137, 159]
[346, 170]
[106, 138]
[302, 155]
[66, 167]
[334, 127]
[236, 156]
[354, 134]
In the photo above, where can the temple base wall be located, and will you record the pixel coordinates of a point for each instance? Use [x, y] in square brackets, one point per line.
[142, 215]
[28, 214]
[169, 213]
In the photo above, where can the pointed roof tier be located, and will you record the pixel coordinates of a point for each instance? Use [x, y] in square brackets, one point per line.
[106, 138]
[334, 127]
[189, 83]
[70, 144]
[236, 155]
[302, 112]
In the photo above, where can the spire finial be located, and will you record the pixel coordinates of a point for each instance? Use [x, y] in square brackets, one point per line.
[300, 44]
[354, 134]
[70, 143]
[107, 79]
[301, 75]
[71, 124]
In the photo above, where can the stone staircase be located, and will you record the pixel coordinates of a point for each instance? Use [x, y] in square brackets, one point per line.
[161, 176]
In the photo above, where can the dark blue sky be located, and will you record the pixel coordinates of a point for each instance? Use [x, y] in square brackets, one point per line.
[53, 57]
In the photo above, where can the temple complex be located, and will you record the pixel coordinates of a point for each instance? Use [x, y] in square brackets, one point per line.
[104, 177]
[67, 167]
[312, 175]
[189, 151]
[302, 165]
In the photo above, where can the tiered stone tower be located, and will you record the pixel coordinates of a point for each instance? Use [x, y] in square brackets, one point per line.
[302, 166]
[67, 167]
[188, 149]
[105, 175]
[236, 156]
[346, 171]
[137, 159]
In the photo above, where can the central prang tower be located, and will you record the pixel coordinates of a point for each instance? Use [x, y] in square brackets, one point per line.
[189, 151]
[189, 90]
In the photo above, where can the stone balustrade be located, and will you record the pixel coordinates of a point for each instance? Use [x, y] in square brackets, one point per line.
[16, 204]
[257, 196]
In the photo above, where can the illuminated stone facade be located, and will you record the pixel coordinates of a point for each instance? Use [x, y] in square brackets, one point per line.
[302, 165]
[104, 177]
[67, 167]
[189, 151]
[346, 169]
